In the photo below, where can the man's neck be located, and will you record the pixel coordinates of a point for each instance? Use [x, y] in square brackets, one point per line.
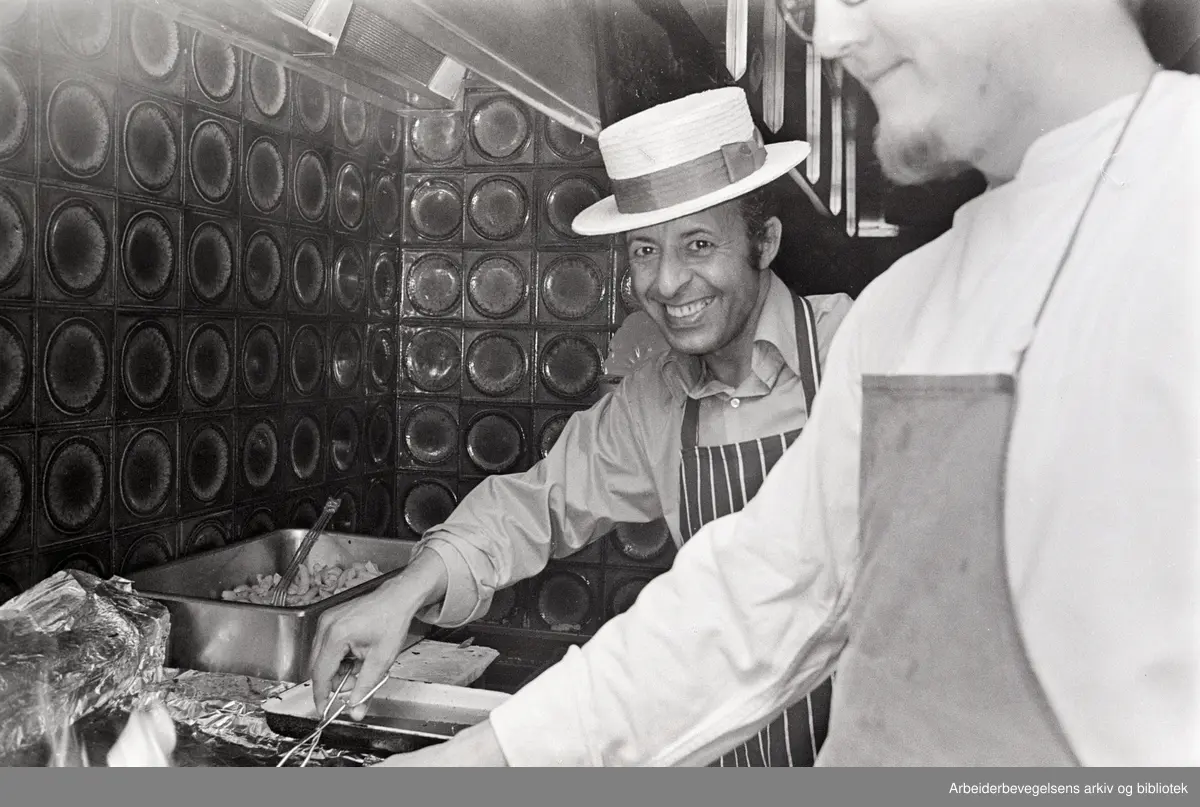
[731, 364]
[1100, 69]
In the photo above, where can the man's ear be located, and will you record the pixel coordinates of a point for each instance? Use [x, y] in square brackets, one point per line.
[772, 237]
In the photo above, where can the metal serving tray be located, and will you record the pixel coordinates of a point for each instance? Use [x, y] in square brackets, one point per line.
[215, 635]
[402, 716]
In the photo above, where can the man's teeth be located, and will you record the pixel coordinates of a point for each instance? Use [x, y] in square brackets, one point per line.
[680, 311]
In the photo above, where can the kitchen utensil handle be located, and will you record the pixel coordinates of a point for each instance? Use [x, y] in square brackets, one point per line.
[279, 592]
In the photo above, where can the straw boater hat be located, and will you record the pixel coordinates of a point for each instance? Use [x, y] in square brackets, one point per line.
[682, 157]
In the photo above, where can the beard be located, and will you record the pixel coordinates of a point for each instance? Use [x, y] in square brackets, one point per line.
[916, 158]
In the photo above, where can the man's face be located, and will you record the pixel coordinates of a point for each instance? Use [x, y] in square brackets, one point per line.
[946, 75]
[695, 278]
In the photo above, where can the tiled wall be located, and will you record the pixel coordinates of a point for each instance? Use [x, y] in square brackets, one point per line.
[228, 292]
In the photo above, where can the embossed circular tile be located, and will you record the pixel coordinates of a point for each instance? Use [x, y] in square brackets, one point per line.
[564, 600]
[567, 143]
[210, 263]
[154, 42]
[343, 439]
[624, 596]
[147, 364]
[212, 161]
[383, 281]
[75, 484]
[84, 28]
[304, 514]
[498, 208]
[14, 239]
[496, 286]
[496, 364]
[567, 199]
[385, 205]
[434, 285]
[82, 562]
[146, 553]
[311, 186]
[432, 361]
[347, 358]
[312, 102]
[435, 209]
[388, 133]
[377, 509]
[261, 522]
[430, 432]
[348, 193]
[495, 443]
[215, 65]
[260, 361]
[265, 174]
[150, 148]
[551, 430]
[147, 472]
[572, 287]
[80, 128]
[260, 454]
[308, 273]
[346, 518]
[206, 537]
[262, 271]
[77, 248]
[148, 255]
[353, 119]
[14, 492]
[427, 504]
[642, 542]
[305, 446]
[500, 128]
[380, 433]
[76, 366]
[209, 364]
[348, 281]
[307, 360]
[8, 588]
[570, 366]
[268, 86]
[206, 464]
[629, 300]
[14, 368]
[15, 115]
[383, 358]
[436, 139]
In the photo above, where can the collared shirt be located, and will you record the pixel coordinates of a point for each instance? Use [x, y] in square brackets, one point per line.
[619, 460]
[1102, 527]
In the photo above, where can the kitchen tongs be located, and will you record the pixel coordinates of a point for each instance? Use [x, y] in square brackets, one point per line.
[279, 590]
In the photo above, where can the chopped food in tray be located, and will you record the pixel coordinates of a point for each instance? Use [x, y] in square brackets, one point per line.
[314, 582]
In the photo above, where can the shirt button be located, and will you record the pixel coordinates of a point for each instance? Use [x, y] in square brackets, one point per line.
[735, 403]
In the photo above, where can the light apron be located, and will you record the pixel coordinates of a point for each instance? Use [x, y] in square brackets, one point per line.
[715, 481]
[935, 672]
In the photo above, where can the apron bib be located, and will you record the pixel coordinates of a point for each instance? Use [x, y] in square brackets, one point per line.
[715, 481]
[935, 673]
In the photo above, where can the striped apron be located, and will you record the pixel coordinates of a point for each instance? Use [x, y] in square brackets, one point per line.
[715, 481]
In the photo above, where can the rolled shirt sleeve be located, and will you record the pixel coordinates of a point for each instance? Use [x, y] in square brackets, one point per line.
[749, 619]
[508, 527]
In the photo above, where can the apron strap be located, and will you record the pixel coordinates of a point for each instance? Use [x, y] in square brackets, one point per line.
[810, 371]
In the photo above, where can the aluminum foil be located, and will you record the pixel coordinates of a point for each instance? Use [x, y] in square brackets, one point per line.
[71, 645]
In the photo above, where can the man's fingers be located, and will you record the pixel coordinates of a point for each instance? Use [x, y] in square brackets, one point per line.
[323, 669]
[375, 666]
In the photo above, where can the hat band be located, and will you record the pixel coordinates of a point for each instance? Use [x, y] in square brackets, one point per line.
[690, 180]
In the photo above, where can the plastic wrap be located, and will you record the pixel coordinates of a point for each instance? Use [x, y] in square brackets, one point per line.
[635, 342]
[69, 646]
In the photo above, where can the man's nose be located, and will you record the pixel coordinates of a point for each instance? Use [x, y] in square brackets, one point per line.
[840, 28]
[673, 275]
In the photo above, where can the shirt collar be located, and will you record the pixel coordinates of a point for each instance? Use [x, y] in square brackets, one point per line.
[774, 348]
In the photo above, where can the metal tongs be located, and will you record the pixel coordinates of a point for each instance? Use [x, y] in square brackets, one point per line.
[280, 590]
[314, 739]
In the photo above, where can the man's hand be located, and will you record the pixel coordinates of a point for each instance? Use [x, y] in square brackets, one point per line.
[372, 629]
[476, 747]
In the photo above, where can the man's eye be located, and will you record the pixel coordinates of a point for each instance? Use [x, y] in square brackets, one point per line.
[642, 251]
[701, 245]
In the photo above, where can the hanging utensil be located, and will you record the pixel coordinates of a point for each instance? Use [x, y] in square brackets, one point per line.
[853, 100]
[813, 101]
[837, 145]
[774, 58]
[737, 24]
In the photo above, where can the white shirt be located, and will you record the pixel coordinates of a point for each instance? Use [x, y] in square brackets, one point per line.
[1102, 524]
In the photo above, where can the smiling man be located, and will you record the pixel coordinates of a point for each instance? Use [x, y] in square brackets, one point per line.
[689, 436]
